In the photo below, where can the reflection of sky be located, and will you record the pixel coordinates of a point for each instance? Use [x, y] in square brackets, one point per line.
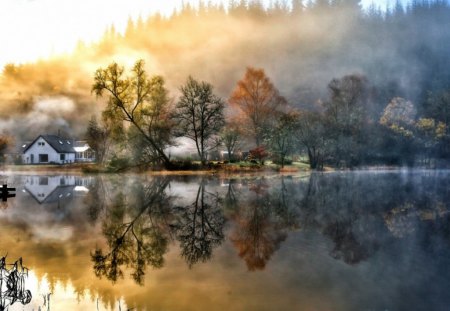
[301, 274]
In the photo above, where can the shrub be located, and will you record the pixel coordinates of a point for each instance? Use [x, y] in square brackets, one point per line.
[118, 164]
[259, 153]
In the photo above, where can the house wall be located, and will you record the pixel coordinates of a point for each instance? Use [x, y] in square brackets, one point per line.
[53, 156]
[85, 156]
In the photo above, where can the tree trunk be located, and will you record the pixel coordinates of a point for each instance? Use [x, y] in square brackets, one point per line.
[312, 159]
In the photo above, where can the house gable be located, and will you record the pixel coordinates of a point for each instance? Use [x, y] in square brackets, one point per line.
[49, 149]
[35, 141]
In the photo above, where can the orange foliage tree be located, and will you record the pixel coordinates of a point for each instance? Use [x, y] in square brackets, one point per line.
[256, 100]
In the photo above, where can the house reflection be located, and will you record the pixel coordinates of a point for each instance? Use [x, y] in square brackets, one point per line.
[47, 189]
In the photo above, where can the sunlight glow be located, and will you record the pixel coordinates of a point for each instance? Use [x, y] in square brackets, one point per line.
[37, 29]
[33, 29]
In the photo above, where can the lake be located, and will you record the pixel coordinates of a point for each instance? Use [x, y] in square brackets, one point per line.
[356, 240]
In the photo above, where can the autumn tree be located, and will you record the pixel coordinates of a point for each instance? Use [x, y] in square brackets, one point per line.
[199, 115]
[399, 119]
[159, 126]
[256, 100]
[399, 116]
[135, 99]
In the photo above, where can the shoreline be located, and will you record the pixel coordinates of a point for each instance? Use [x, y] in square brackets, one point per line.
[89, 170]
[287, 171]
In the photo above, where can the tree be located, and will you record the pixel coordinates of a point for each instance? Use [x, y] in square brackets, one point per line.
[98, 138]
[256, 99]
[281, 138]
[399, 116]
[5, 142]
[346, 114]
[134, 99]
[258, 153]
[310, 132]
[430, 134]
[158, 125]
[199, 114]
[230, 137]
[439, 106]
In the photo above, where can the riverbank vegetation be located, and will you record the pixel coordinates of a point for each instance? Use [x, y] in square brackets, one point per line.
[322, 80]
[342, 133]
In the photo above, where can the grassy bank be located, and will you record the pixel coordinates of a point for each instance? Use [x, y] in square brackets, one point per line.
[215, 168]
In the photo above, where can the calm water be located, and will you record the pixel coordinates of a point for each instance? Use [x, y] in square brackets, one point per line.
[338, 241]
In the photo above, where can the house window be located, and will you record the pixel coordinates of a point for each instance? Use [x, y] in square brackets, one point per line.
[41, 144]
[43, 181]
[43, 158]
[62, 156]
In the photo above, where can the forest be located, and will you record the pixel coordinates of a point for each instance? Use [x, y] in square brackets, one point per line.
[325, 79]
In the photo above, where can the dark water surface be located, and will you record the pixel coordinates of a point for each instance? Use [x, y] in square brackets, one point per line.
[335, 241]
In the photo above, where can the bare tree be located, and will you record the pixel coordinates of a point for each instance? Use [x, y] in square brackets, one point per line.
[311, 135]
[231, 135]
[199, 114]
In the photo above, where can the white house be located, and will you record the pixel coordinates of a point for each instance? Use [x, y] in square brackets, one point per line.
[53, 149]
[84, 152]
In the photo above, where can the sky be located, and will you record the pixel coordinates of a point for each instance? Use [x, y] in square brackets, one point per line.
[34, 29]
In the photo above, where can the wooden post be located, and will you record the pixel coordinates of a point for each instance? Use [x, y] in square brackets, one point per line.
[6, 194]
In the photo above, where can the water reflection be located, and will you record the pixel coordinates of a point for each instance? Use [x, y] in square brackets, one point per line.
[260, 227]
[55, 189]
[186, 243]
[135, 230]
[199, 226]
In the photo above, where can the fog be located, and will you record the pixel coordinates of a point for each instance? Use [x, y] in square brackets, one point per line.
[402, 52]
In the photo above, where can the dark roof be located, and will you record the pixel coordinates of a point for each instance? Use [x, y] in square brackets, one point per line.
[58, 143]
[21, 147]
[58, 194]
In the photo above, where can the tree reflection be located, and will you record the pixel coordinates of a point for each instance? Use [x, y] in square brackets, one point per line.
[346, 245]
[135, 233]
[95, 199]
[340, 207]
[259, 230]
[199, 226]
[361, 211]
